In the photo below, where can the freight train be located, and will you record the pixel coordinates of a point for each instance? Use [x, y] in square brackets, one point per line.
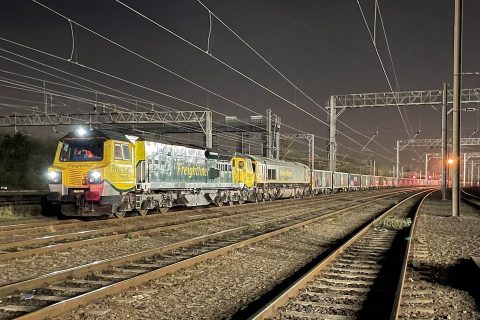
[100, 172]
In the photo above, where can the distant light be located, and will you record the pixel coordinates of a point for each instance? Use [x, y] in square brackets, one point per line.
[450, 161]
[81, 132]
[414, 177]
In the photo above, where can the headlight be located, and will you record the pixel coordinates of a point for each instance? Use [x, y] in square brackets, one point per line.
[94, 177]
[54, 177]
[95, 174]
[81, 132]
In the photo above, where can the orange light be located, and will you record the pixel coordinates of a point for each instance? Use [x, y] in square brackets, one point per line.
[450, 161]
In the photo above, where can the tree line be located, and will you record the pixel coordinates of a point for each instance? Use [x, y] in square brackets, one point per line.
[24, 161]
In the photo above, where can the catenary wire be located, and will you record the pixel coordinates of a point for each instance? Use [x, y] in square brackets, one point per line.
[245, 76]
[138, 85]
[384, 71]
[127, 81]
[183, 78]
[391, 61]
[281, 74]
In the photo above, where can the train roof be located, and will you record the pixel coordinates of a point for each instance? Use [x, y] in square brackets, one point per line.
[114, 135]
[274, 161]
[94, 133]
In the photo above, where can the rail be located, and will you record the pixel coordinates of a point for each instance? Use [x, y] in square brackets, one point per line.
[470, 198]
[401, 281]
[118, 274]
[270, 310]
[21, 197]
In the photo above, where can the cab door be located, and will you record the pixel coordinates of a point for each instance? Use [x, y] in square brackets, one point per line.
[234, 170]
[122, 173]
[249, 174]
[242, 170]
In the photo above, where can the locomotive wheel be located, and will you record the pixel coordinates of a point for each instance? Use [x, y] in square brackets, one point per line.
[163, 209]
[230, 202]
[119, 214]
[218, 203]
[116, 212]
[241, 201]
[143, 212]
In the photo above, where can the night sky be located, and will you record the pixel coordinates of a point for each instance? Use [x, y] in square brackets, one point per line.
[321, 46]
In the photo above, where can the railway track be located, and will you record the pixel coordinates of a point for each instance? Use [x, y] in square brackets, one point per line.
[357, 280]
[71, 224]
[78, 234]
[60, 291]
[56, 226]
[416, 296]
[470, 197]
[21, 197]
[412, 300]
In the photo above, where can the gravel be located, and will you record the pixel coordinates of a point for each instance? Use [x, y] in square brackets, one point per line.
[31, 266]
[447, 269]
[220, 287]
[153, 219]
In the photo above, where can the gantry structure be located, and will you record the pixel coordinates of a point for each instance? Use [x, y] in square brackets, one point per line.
[339, 103]
[162, 121]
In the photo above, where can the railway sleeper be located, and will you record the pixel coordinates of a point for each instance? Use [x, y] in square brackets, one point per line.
[172, 256]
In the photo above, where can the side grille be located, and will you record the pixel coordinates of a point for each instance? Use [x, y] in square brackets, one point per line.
[75, 177]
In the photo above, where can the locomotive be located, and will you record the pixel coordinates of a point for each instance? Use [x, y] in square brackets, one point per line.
[101, 172]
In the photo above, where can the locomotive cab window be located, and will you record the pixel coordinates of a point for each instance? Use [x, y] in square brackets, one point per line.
[126, 152]
[121, 151]
[81, 150]
[117, 151]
